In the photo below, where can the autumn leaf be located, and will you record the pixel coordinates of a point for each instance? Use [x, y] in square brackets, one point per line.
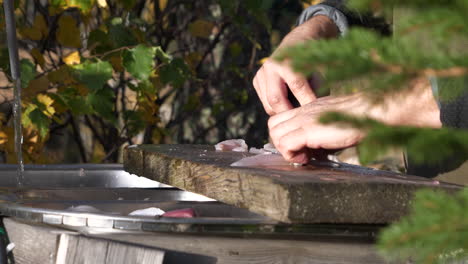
[62, 76]
[36, 86]
[201, 28]
[162, 4]
[68, 34]
[38, 57]
[38, 31]
[72, 58]
[45, 104]
[3, 137]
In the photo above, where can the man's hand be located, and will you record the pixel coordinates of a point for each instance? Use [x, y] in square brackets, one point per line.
[274, 79]
[296, 131]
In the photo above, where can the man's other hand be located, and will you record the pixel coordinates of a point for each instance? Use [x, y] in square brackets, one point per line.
[274, 79]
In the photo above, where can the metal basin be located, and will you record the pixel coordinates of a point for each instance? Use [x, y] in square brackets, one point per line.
[99, 199]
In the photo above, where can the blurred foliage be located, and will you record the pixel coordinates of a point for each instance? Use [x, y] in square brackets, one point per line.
[102, 74]
[429, 42]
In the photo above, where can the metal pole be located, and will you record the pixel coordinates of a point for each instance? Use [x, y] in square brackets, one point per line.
[8, 6]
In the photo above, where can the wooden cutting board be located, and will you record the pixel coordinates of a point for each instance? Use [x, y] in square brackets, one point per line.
[316, 193]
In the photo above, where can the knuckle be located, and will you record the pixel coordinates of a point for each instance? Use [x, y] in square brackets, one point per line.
[297, 85]
[273, 99]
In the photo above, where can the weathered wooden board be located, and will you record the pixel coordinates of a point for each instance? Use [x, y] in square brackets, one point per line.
[39, 244]
[316, 193]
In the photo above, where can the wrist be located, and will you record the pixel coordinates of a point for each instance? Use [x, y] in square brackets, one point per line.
[318, 27]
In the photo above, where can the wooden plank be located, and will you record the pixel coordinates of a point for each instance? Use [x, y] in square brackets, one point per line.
[32, 245]
[43, 244]
[232, 250]
[316, 193]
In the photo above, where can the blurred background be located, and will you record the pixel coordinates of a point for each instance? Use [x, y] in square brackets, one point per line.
[99, 75]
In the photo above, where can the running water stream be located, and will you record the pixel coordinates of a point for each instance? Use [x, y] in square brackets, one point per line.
[8, 6]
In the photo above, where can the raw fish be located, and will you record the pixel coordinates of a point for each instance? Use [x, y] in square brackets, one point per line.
[237, 145]
[261, 160]
[151, 211]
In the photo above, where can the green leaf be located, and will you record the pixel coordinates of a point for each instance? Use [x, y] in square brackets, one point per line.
[28, 72]
[93, 74]
[40, 121]
[161, 55]
[120, 35]
[134, 122]
[139, 61]
[102, 102]
[100, 41]
[174, 73]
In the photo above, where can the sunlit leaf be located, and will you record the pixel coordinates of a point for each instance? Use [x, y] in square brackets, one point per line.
[102, 3]
[139, 61]
[72, 58]
[3, 137]
[162, 4]
[46, 104]
[84, 5]
[93, 74]
[68, 33]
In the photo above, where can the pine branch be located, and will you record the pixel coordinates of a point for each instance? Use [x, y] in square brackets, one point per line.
[435, 232]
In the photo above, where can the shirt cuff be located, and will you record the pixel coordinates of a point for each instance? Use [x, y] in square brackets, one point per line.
[334, 14]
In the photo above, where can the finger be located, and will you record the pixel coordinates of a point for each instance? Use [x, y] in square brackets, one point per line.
[260, 86]
[282, 117]
[276, 92]
[299, 86]
[293, 146]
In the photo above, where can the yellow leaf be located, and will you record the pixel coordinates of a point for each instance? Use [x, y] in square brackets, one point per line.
[307, 3]
[30, 33]
[38, 57]
[47, 102]
[201, 28]
[72, 58]
[102, 3]
[68, 34]
[41, 25]
[3, 137]
[261, 61]
[36, 86]
[162, 4]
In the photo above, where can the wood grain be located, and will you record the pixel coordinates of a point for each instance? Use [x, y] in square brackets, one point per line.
[316, 193]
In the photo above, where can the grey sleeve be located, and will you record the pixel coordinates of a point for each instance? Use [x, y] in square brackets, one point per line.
[330, 9]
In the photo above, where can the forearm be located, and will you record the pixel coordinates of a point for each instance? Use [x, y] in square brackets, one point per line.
[414, 107]
[318, 27]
